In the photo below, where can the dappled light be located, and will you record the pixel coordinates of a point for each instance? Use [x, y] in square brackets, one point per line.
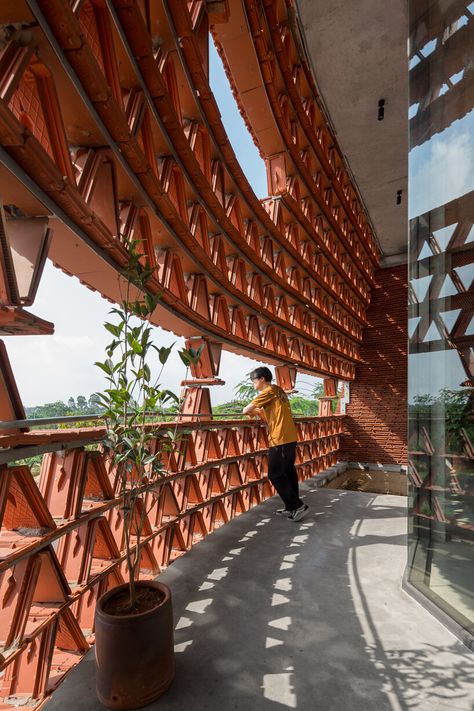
[287, 594]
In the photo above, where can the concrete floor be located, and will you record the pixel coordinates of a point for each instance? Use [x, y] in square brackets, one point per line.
[273, 614]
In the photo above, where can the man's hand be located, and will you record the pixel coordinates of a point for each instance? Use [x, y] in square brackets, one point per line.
[249, 410]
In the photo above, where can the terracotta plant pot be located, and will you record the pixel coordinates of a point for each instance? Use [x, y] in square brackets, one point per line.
[134, 653]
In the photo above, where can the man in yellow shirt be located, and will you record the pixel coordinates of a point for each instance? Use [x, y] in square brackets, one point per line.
[272, 402]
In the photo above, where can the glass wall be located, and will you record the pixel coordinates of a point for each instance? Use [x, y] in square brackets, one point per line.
[441, 309]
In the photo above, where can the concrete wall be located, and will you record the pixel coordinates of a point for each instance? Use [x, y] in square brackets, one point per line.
[376, 426]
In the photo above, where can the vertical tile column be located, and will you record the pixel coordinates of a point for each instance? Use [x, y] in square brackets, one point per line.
[196, 403]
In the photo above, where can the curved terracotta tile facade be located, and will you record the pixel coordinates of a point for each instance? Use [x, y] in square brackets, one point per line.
[288, 279]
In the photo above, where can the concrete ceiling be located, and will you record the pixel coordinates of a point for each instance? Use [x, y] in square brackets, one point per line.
[358, 52]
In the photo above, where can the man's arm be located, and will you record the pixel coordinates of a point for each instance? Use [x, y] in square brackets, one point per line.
[256, 406]
[252, 410]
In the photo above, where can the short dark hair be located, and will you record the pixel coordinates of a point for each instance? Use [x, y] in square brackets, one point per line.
[262, 372]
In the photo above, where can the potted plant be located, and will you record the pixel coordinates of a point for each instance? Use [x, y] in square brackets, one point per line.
[134, 621]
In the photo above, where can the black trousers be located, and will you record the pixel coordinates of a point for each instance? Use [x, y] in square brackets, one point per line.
[282, 474]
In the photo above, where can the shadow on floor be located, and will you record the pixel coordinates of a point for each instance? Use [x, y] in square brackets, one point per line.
[272, 614]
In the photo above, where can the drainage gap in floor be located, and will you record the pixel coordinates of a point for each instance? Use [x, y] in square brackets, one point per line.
[375, 482]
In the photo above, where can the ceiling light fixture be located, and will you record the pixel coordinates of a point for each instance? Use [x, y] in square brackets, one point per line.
[381, 112]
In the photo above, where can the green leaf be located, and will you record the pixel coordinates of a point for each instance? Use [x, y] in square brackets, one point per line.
[163, 354]
[114, 329]
[145, 338]
[136, 309]
[191, 355]
[134, 344]
[151, 301]
[196, 354]
[104, 366]
[101, 396]
[167, 395]
[184, 355]
[112, 347]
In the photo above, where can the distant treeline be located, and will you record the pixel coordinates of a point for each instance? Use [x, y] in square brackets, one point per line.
[81, 405]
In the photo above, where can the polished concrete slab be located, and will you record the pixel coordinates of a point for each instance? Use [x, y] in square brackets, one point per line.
[272, 614]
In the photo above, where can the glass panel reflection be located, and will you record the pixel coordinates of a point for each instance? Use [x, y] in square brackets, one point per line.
[441, 310]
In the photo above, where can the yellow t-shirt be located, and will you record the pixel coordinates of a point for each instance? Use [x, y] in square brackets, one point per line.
[276, 407]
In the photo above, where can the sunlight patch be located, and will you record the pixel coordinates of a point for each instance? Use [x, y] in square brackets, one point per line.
[183, 622]
[278, 599]
[200, 605]
[278, 687]
[272, 642]
[206, 585]
[282, 623]
[283, 584]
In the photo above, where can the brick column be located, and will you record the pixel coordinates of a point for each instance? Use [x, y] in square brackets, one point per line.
[376, 423]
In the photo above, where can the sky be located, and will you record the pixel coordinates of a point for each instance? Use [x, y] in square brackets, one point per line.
[50, 368]
[453, 148]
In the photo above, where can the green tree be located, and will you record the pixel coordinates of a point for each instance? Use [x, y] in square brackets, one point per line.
[453, 407]
[94, 404]
[50, 409]
[318, 390]
[232, 409]
[81, 403]
[303, 406]
[244, 391]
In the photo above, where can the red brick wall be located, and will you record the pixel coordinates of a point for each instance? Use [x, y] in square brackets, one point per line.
[376, 423]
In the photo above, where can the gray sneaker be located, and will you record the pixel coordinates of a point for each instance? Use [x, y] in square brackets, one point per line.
[283, 512]
[298, 514]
